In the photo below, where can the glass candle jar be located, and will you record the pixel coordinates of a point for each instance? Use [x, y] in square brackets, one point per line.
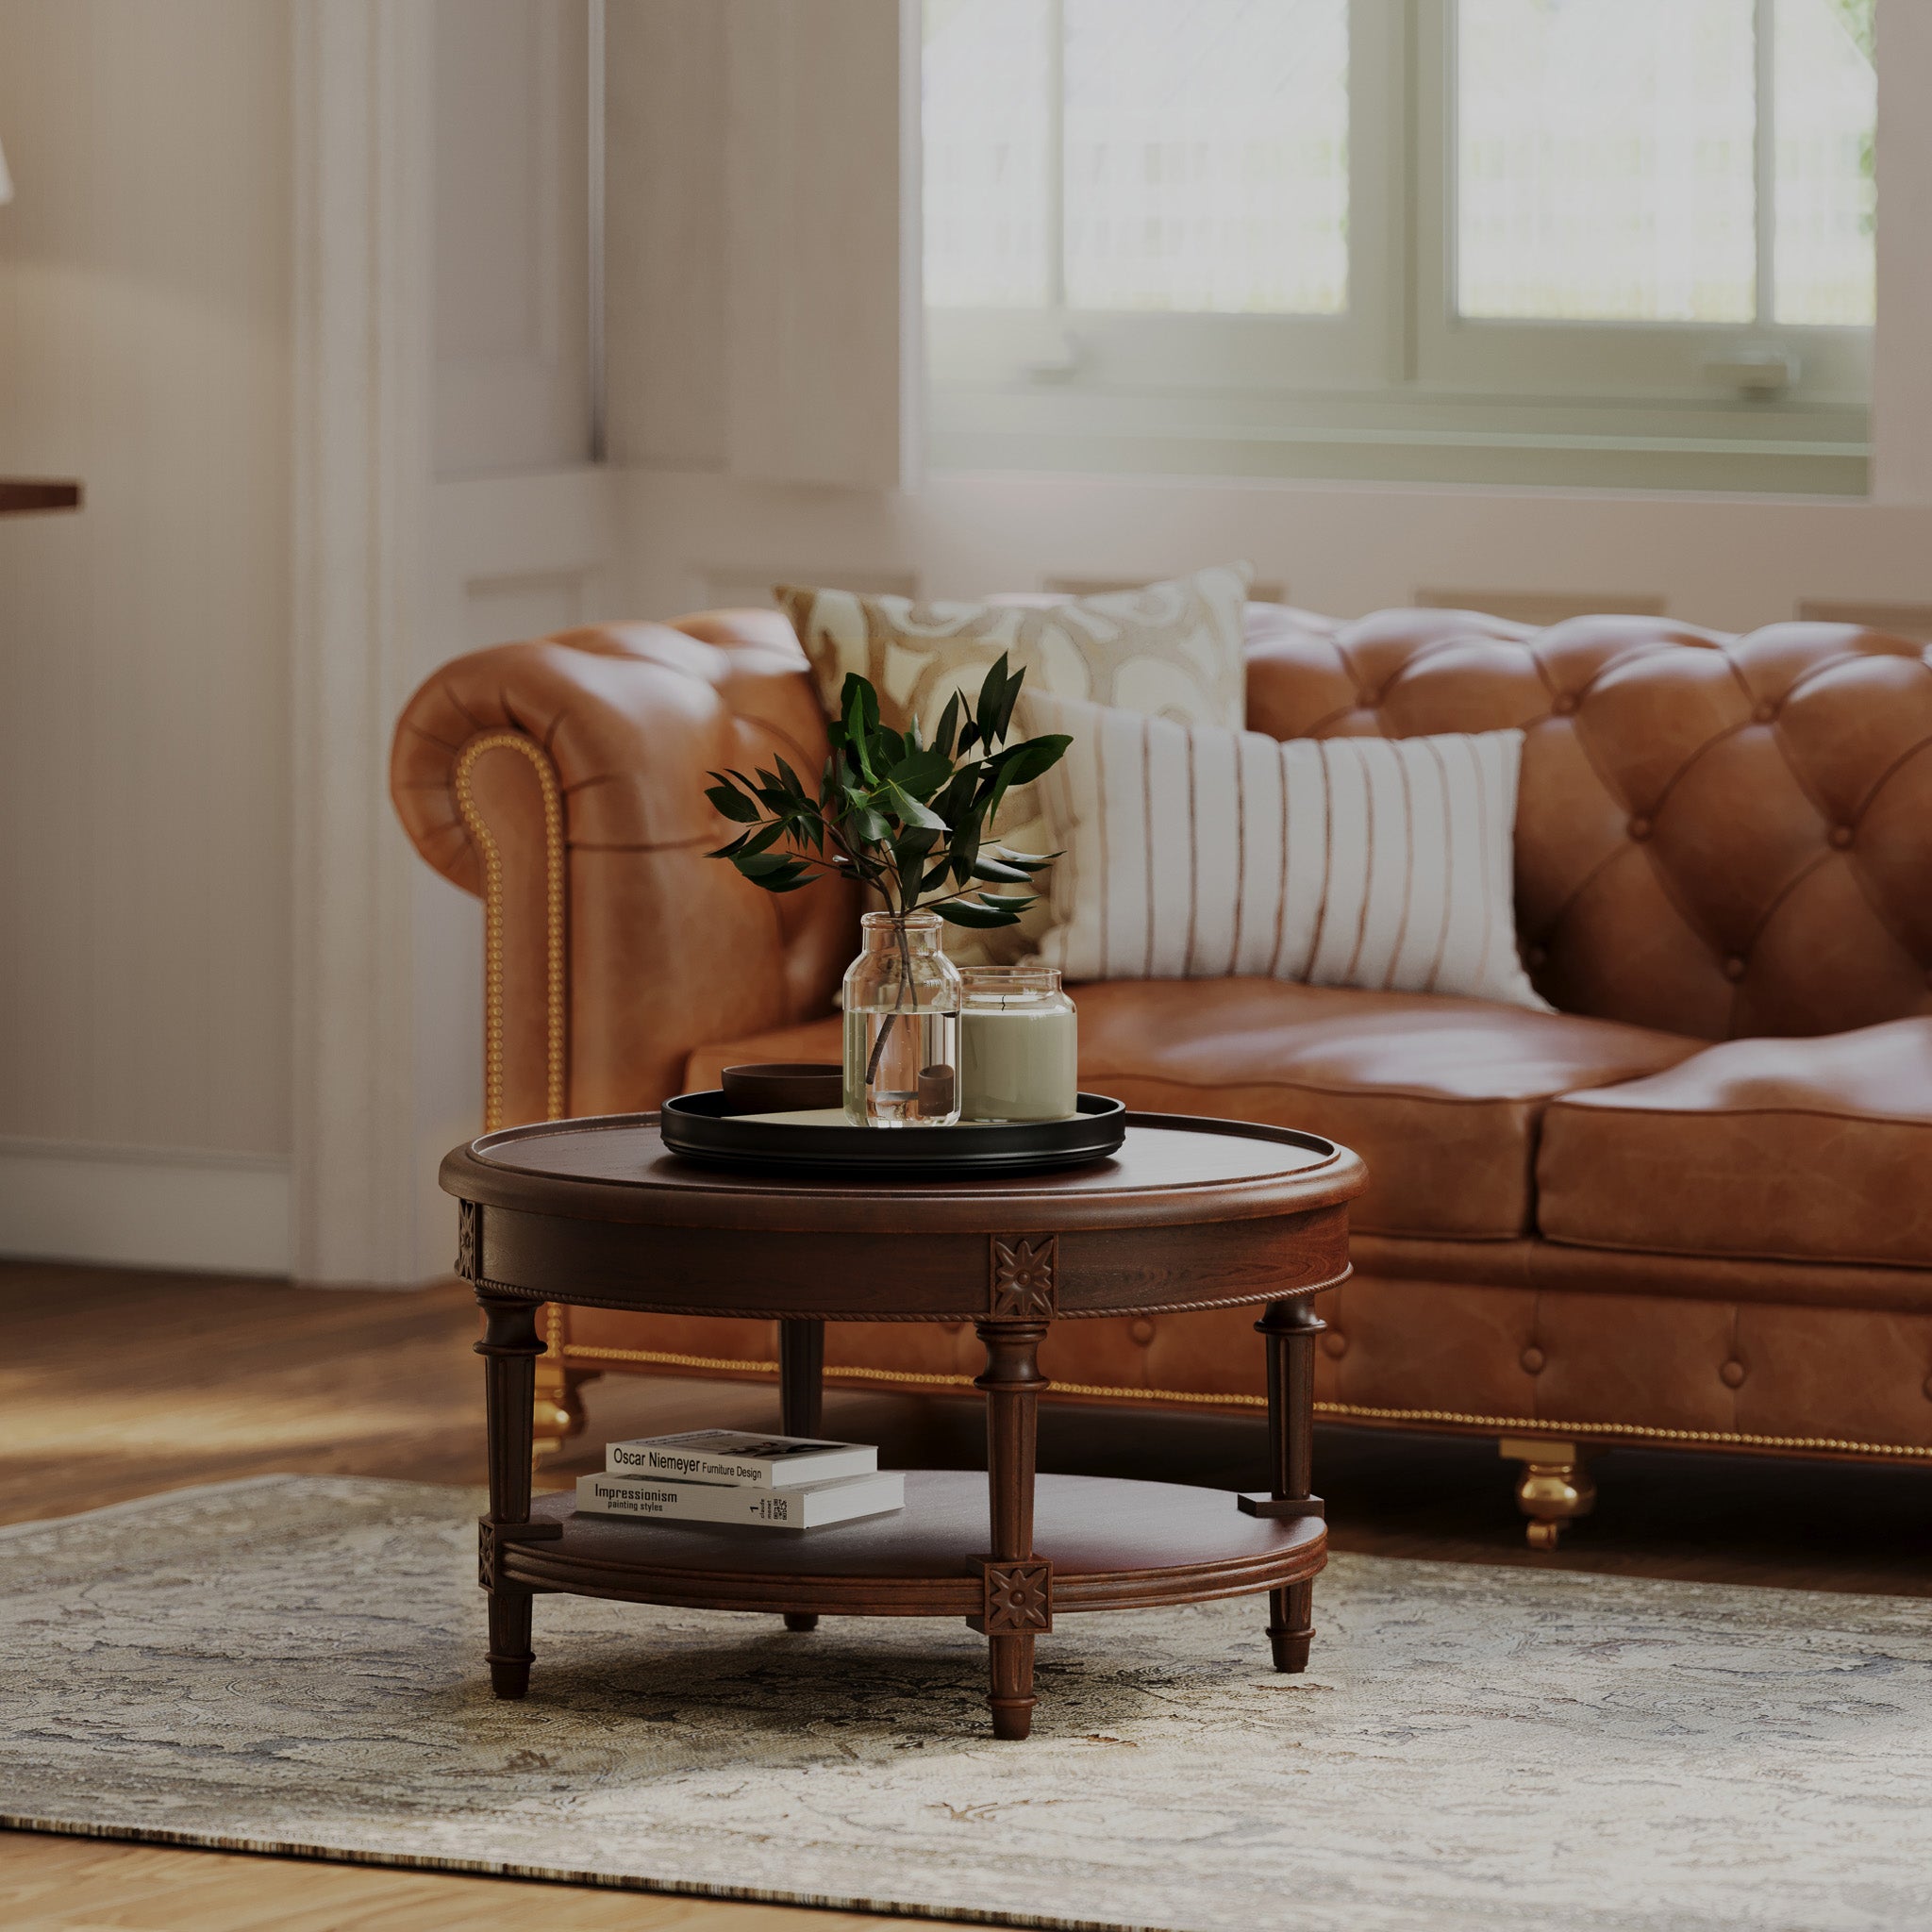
[1019, 1047]
[902, 1026]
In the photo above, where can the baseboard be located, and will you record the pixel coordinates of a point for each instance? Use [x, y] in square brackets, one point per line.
[145, 1206]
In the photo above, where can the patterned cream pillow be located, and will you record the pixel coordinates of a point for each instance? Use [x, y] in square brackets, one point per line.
[1170, 650]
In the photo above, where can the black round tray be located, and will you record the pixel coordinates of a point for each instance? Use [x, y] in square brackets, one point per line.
[703, 1126]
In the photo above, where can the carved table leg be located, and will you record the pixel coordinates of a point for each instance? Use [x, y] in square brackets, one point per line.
[511, 1348]
[1289, 1330]
[1019, 1585]
[801, 1403]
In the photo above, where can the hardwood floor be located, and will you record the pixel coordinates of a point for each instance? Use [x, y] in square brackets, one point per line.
[81, 1885]
[117, 1384]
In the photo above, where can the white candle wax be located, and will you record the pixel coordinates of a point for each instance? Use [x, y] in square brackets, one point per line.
[1018, 1063]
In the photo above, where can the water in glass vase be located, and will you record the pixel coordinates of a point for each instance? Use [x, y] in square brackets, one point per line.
[902, 1026]
[910, 1057]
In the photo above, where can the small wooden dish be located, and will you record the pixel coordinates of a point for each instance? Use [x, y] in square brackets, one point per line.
[784, 1086]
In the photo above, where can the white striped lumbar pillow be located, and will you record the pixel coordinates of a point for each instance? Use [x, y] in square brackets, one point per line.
[1191, 852]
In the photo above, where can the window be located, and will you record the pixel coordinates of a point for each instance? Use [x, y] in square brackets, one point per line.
[1601, 241]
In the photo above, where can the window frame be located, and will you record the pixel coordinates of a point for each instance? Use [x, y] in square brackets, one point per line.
[1603, 361]
[1138, 349]
[1399, 384]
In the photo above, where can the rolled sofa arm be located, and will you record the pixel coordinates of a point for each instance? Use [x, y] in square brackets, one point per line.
[562, 782]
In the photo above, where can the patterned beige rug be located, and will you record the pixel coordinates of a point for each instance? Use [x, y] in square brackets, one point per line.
[293, 1665]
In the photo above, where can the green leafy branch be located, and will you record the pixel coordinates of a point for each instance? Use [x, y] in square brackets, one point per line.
[905, 815]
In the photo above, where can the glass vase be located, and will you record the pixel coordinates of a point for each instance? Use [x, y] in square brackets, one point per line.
[902, 1026]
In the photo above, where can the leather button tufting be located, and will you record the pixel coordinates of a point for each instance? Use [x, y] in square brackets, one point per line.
[1929, 1387]
[1840, 836]
[1141, 1329]
[1562, 704]
[1533, 1359]
[1764, 713]
[1640, 828]
[1536, 955]
[1335, 1344]
[1734, 967]
[1732, 1374]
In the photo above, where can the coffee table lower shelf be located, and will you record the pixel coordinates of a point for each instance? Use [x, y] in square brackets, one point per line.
[1112, 1546]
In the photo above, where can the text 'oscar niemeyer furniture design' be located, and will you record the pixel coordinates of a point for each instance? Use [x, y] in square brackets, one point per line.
[1689, 1208]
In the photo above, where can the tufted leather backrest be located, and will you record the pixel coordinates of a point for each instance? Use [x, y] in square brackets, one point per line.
[1716, 835]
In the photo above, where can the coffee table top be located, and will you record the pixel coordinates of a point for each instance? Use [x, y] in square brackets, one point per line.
[1172, 1170]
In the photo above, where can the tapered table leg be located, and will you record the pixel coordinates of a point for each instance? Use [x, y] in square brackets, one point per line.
[801, 1402]
[509, 1348]
[1019, 1585]
[1289, 1330]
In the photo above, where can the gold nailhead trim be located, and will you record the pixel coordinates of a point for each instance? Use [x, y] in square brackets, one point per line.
[1511, 1425]
[553, 1098]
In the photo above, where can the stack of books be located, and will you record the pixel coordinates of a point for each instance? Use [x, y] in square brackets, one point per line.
[728, 1476]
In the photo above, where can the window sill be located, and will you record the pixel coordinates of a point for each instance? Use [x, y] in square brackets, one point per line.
[1755, 447]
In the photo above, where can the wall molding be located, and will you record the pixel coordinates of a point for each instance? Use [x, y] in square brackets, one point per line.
[203, 1209]
[363, 88]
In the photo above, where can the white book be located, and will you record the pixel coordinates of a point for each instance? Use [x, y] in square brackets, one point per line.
[739, 1457]
[804, 1506]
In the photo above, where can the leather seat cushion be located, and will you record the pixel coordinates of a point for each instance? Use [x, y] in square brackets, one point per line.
[1802, 1150]
[1441, 1097]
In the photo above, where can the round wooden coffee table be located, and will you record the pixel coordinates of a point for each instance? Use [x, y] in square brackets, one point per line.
[1189, 1214]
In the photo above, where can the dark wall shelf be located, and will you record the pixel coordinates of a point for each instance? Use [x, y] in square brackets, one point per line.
[19, 495]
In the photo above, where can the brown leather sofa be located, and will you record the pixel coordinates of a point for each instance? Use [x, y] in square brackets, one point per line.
[1691, 1207]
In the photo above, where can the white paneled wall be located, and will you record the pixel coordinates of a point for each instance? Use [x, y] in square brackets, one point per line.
[144, 264]
[180, 1083]
[763, 193]
[511, 234]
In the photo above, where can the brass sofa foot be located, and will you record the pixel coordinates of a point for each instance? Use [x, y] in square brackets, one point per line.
[1555, 1487]
[558, 1409]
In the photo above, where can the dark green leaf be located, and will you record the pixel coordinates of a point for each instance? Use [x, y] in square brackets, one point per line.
[1009, 696]
[909, 811]
[769, 836]
[852, 711]
[867, 826]
[955, 797]
[921, 773]
[991, 869]
[908, 854]
[1027, 761]
[858, 690]
[1027, 861]
[949, 723]
[763, 865]
[993, 690]
[964, 912]
[733, 803]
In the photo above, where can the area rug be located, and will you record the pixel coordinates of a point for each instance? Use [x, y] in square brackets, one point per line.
[294, 1665]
